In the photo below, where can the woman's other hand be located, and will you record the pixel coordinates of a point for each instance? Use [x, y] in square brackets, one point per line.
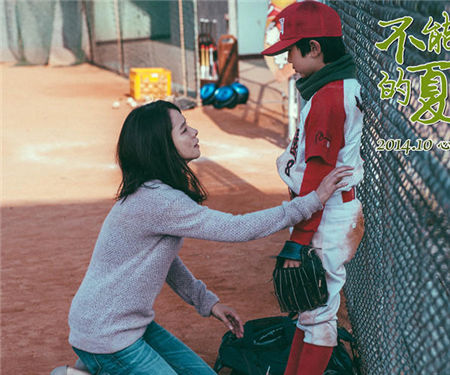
[229, 317]
[332, 181]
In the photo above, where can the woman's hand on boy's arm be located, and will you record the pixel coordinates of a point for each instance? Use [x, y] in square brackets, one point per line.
[332, 182]
[229, 317]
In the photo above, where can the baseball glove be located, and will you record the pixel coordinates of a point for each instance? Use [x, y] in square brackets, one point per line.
[301, 288]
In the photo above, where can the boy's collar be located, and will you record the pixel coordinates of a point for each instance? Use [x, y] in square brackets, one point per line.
[342, 68]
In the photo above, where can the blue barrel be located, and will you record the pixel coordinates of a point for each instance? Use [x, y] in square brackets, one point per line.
[225, 97]
[242, 92]
[207, 93]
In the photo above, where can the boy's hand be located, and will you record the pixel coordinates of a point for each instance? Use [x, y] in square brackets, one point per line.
[290, 263]
[229, 317]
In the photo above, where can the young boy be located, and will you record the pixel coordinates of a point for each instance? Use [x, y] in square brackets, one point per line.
[328, 135]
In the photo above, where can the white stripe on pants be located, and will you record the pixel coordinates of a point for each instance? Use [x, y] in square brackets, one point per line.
[337, 238]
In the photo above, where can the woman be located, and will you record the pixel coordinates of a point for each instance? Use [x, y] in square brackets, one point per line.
[111, 319]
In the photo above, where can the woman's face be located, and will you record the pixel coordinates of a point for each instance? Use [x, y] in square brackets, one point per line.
[184, 137]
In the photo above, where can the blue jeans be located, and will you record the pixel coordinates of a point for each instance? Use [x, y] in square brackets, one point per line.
[157, 352]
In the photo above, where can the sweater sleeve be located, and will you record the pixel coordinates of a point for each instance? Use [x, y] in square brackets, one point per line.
[190, 289]
[183, 217]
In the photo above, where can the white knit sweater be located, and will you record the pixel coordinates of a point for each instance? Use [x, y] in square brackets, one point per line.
[137, 250]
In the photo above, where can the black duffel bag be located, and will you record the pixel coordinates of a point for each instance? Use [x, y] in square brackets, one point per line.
[265, 348]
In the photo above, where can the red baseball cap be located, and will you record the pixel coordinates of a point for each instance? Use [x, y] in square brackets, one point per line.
[306, 19]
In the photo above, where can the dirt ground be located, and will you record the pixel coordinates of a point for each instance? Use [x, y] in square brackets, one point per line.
[59, 180]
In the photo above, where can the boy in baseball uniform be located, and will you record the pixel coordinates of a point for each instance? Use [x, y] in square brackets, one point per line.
[328, 135]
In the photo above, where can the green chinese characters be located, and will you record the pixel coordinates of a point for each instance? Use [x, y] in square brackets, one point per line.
[433, 82]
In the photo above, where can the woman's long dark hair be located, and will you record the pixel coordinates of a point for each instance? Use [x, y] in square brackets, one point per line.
[145, 151]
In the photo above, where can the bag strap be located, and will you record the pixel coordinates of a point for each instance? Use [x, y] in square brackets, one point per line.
[345, 335]
[218, 365]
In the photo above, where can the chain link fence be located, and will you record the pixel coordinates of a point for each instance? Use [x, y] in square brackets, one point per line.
[398, 283]
[135, 33]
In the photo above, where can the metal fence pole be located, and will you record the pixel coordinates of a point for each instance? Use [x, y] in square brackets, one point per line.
[196, 54]
[119, 35]
[183, 48]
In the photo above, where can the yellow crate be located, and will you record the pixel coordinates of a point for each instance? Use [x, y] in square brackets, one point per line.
[150, 83]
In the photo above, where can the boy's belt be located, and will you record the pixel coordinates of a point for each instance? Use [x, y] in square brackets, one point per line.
[348, 196]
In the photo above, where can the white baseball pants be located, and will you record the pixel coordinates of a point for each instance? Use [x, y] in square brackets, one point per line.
[337, 238]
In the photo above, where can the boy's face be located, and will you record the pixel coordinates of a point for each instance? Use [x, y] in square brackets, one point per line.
[308, 64]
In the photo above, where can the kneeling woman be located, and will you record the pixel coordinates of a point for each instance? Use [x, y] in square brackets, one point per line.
[112, 327]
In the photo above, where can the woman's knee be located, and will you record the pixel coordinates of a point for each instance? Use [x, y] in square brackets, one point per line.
[138, 358]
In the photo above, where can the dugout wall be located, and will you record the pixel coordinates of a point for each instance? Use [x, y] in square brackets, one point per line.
[113, 34]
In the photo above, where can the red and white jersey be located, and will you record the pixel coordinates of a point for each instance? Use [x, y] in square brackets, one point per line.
[330, 127]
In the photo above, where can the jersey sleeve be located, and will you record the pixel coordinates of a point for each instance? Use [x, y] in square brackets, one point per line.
[324, 125]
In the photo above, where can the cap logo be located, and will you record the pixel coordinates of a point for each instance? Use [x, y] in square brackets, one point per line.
[282, 26]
